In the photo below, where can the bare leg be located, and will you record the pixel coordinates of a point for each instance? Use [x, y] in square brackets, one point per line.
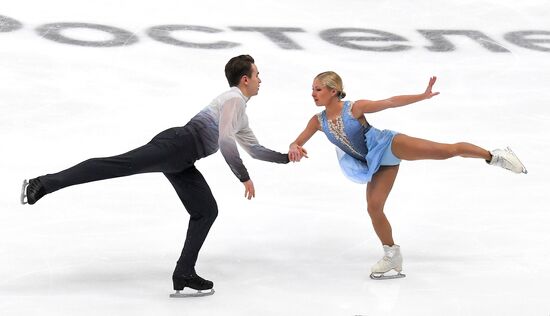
[412, 148]
[377, 193]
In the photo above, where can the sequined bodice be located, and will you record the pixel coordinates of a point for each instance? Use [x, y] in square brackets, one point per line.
[346, 132]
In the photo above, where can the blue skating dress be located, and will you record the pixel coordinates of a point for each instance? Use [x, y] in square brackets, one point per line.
[361, 148]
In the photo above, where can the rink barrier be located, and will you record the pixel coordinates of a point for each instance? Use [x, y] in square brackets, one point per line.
[351, 38]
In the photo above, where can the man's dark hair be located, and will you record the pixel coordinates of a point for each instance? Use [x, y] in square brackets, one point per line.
[237, 67]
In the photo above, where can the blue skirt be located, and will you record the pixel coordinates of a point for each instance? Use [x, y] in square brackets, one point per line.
[379, 153]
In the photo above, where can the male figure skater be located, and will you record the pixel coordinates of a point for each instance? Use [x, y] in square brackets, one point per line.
[173, 152]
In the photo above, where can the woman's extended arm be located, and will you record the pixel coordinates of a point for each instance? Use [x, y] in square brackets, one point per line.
[296, 152]
[368, 106]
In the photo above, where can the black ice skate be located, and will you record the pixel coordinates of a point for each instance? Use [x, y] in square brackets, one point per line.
[192, 281]
[31, 191]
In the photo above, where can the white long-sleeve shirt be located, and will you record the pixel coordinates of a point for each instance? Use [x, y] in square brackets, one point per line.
[223, 124]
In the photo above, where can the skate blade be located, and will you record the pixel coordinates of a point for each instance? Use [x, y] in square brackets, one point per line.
[523, 169]
[180, 294]
[24, 192]
[382, 276]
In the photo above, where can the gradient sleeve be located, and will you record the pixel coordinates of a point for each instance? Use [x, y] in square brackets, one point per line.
[231, 114]
[248, 141]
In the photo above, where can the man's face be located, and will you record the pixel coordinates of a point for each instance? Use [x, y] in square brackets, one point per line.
[253, 85]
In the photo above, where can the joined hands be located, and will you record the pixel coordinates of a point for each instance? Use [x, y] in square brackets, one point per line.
[296, 153]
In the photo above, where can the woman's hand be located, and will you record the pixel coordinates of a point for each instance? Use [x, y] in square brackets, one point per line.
[295, 153]
[428, 93]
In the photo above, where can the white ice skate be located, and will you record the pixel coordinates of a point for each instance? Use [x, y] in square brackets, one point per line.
[392, 260]
[506, 159]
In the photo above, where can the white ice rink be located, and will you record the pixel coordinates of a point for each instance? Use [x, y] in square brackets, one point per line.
[475, 239]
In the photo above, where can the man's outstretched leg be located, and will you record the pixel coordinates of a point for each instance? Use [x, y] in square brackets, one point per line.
[197, 198]
[169, 151]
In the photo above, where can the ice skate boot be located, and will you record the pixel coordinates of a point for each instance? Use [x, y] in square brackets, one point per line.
[506, 159]
[392, 260]
[192, 281]
[32, 191]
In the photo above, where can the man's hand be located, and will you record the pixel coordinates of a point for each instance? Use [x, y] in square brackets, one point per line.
[249, 191]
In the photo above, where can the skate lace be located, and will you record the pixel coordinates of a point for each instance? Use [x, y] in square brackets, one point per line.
[504, 161]
[385, 259]
[384, 264]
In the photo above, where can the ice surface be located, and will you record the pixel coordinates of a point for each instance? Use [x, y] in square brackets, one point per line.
[474, 238]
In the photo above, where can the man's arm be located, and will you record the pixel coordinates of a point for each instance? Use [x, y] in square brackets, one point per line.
[230, 116]
[249, 142]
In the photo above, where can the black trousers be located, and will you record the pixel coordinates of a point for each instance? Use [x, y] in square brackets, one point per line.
[172, 152]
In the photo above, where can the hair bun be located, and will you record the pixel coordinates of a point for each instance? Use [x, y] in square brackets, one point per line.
[341, 95]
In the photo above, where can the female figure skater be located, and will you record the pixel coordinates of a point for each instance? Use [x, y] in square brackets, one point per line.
[372, 156]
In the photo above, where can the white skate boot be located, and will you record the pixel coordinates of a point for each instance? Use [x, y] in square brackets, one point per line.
[506, 159]
[392, 260]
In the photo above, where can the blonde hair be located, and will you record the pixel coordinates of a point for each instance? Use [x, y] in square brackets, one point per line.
[332, 80]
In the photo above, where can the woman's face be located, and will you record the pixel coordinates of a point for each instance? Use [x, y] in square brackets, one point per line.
[321, 94]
